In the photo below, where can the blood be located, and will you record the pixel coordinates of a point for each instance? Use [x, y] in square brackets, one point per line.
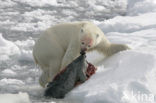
[91, 69]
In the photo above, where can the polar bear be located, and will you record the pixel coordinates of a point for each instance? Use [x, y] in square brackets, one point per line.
[61, 44]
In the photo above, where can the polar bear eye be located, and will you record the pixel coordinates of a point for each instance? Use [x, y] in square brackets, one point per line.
[81, 30]
[82, 43]
[97, 35]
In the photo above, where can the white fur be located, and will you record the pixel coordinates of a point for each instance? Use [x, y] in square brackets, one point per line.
[61, 44]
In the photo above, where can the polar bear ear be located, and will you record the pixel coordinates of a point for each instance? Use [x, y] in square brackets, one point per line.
[97, 35]
[82, 30]
[83, 24]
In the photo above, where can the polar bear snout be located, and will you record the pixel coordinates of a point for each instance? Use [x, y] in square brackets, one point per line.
[83, 51]
[86, 43]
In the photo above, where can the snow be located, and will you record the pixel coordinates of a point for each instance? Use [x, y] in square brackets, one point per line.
[7, 48]
[126, 77]
[129, 23]
[14, 98]
[11, 81]
[136, 7]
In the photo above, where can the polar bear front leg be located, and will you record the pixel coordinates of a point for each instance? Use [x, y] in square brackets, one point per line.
[71, 53]
[48, 74]
[43, 80]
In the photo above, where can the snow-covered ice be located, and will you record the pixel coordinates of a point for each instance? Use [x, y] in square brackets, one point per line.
[14, 98]
[126, 77]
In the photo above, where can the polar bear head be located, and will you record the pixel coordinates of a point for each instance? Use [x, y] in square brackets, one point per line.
[90, 36]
